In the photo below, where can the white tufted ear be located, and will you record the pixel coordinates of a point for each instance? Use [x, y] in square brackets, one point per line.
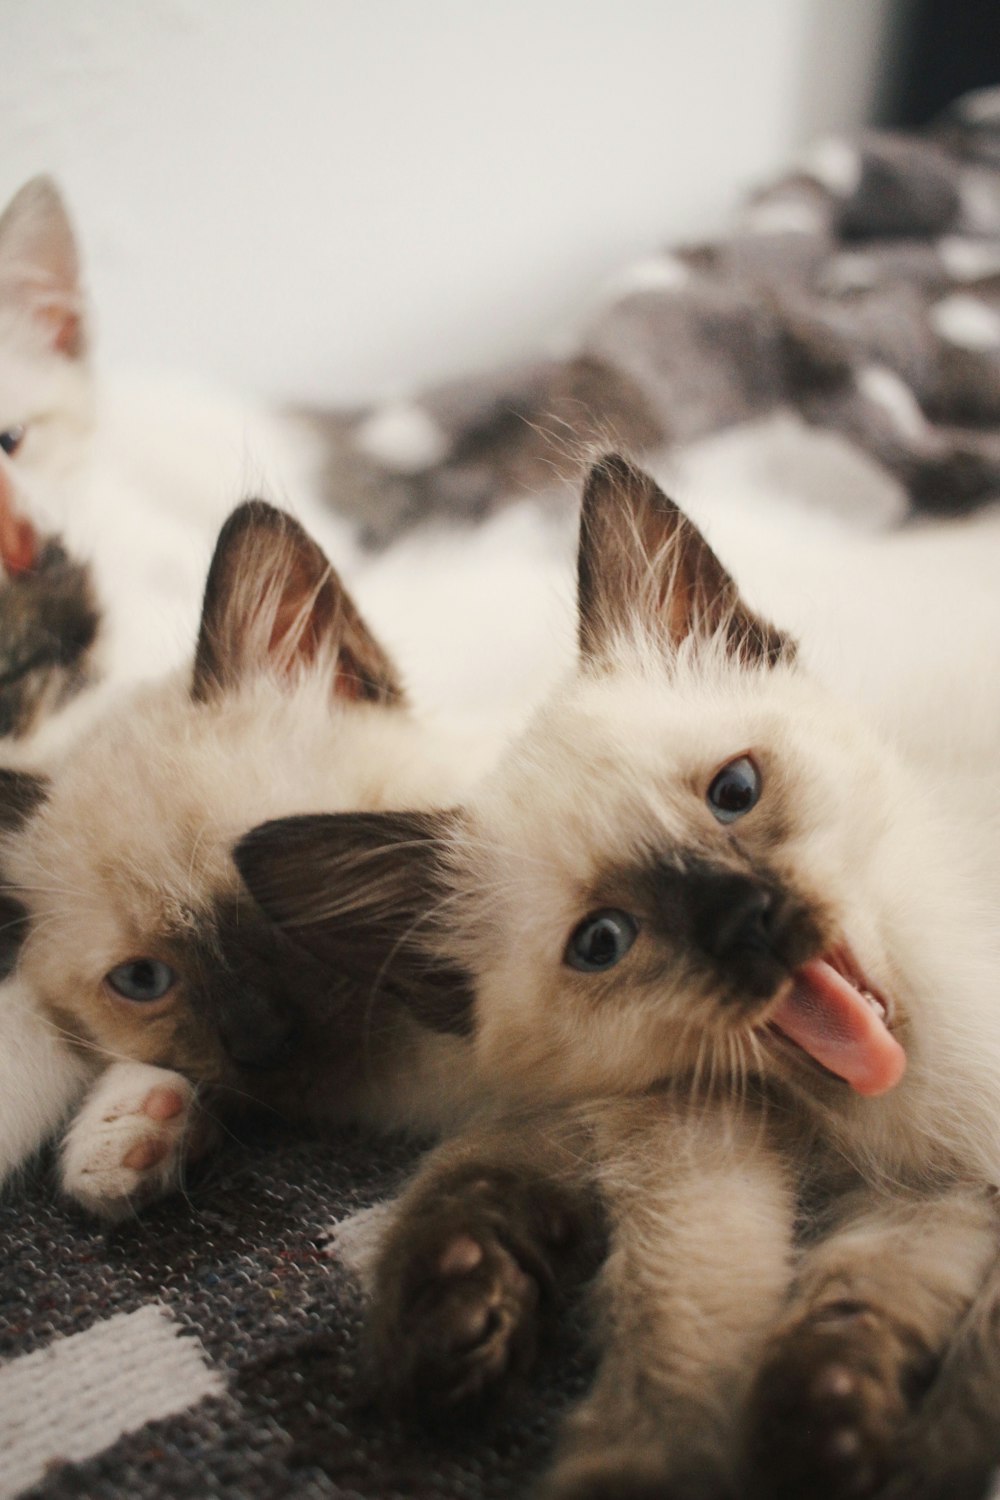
[40, 267]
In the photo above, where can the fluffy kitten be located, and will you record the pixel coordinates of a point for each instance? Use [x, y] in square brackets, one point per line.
[49, 615]
[733, 967]
[145, 973]
[131, 475]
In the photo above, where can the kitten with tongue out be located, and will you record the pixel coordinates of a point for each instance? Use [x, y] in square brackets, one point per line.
[720, 948]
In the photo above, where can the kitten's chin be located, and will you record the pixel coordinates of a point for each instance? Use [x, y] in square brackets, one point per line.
[832, 1014]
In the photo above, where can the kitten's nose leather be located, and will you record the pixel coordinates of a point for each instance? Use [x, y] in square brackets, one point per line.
[741, 919]
[732, 916]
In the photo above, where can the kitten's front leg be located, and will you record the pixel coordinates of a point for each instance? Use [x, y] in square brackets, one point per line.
[498, 1220]
[874, 1305]
[131, 1138]
[41, 1077]
[701, 1215]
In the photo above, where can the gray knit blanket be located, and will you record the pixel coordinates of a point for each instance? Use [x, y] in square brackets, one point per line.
[211, 1346]
[860, 291]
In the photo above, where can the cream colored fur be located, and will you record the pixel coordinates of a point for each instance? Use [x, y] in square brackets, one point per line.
[136, 837]
[128, 855]
[731, 1330]
[617, 765]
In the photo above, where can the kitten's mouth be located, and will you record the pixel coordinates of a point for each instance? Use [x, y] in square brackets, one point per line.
[832, 1012]
[18, 538]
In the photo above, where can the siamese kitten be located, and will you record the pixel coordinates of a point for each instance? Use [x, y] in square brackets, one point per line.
[733, 970]
[151, 992]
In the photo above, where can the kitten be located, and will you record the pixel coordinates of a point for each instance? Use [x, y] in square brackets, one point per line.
[143, 971]
[732, 967]
[132, 476]
[49, 615]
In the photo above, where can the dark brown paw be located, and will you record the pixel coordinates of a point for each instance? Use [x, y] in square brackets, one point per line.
[478, 1318]
[456, 1308]
[829, 1406]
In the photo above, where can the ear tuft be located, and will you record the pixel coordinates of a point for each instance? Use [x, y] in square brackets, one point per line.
[360, 892]
[40, 267]
[644, 567]
[274, 603]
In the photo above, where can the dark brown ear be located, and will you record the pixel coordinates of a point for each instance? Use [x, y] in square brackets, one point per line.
[359, 892]
[21, 794]
[643, 565]
[273, 602]
[39, 266]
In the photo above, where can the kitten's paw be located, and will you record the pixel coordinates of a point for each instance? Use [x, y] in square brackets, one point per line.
[130, 1140]
[476, 1255]
[829, 1405]
[464, 1319]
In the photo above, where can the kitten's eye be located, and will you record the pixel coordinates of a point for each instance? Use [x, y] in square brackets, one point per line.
[11, 440]
[142, 979]
[734, 790]
[601, 941]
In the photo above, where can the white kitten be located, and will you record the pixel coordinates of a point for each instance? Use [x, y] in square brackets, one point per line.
[134, 475]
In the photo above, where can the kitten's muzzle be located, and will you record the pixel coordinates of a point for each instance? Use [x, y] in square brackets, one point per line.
[255, 1034]
[751, 931]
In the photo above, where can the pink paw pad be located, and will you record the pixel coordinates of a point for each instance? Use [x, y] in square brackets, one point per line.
[144, 1154]
[163, 1103]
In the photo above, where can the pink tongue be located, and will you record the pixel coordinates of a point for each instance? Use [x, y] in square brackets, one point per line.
[827, 1017]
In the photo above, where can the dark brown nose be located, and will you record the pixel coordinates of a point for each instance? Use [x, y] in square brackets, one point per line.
[735, 922]
[733, 917]
[744, 929]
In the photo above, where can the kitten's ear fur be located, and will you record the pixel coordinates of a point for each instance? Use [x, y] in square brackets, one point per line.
[40, 268]
[21, 794]
[643, 564]
[272, 601]
[358, 891]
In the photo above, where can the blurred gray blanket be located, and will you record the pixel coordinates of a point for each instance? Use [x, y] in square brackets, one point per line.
[860, 291]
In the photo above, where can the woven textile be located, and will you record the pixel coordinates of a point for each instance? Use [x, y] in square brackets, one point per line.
[211, 1347]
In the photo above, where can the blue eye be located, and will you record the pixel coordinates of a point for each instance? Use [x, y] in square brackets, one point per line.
[734, 790]
[601, 941]
[143, 979]
[11, 440]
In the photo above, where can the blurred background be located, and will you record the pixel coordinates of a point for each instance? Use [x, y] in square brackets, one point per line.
[337, 199]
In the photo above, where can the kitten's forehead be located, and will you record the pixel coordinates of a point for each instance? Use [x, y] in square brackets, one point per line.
[147, 808]
[615, 770]
[606, 748]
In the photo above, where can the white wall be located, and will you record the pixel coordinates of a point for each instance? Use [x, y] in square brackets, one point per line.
[324, 198]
